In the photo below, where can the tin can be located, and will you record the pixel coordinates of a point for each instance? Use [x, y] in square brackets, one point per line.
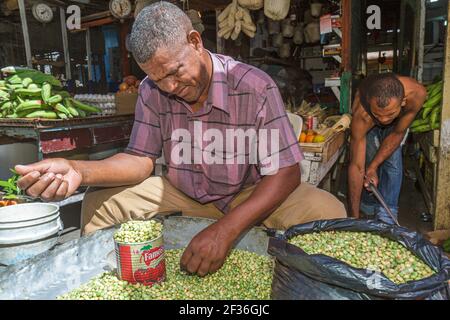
[311, 123]
[141, 262]
[315, 124]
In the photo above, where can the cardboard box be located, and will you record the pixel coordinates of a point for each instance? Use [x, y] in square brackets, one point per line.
[126, 103]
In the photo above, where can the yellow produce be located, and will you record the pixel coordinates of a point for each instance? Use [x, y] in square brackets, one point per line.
[236, 19]
[319, 139]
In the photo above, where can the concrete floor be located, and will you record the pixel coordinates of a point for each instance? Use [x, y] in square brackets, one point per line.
[412, 206]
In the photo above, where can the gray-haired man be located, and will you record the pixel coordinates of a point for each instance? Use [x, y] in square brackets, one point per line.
[187, 87]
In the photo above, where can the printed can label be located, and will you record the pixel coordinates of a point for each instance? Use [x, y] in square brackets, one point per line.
[141, 262]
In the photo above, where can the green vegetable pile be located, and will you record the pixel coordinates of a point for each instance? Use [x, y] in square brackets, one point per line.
[9, 187]
[138, 231]
[29, 93]
[429, 117]
[244, 276]
[366, 251]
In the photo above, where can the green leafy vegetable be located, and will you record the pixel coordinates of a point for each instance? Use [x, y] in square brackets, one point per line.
[9, 187]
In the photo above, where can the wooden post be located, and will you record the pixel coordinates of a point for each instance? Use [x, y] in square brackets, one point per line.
[421, 40]
[401, 36]
[65, 39]
[442, 207]
[126, 67]
[220, 42]
[346, 35]
[26, 37]
[89, 53]
[346, 65]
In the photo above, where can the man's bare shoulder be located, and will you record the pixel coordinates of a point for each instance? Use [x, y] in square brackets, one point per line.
[415, 93]
[361, 122]
[411, 85]
[408, 81]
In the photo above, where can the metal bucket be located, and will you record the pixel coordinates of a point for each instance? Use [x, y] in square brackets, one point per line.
[141, 262]
[27, 230]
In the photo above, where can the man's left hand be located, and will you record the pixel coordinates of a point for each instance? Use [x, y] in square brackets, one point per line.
[207, 251]
[371, 176]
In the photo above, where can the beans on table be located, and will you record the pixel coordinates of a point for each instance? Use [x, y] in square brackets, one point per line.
[244, 276]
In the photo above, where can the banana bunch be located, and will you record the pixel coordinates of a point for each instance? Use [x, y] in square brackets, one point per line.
[235, 19]
[28, 93]
[429, 117]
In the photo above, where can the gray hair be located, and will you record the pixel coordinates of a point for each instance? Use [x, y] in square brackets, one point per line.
[159, 25]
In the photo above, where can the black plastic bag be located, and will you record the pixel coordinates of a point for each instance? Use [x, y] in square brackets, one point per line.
[299, 276]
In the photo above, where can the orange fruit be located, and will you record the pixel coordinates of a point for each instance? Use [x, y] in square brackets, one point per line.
[309, 138]
[303, 137]
[123, 86]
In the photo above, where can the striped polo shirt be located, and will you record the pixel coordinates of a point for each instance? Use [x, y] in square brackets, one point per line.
[241, 100]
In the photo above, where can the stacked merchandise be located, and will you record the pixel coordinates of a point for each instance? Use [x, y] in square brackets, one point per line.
[104, 102]
[28, 93]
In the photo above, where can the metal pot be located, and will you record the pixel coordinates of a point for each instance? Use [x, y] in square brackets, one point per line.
[287, 29]
[27, 230]
[273, 27]
[285, 50]
[299, 35]
[316, 9]
[277, 40]
[312, 32]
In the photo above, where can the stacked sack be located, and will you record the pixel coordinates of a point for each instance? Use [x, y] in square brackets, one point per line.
[236, 18]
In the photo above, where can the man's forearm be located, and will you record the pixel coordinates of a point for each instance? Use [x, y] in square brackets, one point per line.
[387, 148]
[259, 205]
[119, 170]
[355, 186]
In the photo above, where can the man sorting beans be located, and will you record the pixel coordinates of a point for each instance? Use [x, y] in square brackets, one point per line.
[384, 108]
[191, 100]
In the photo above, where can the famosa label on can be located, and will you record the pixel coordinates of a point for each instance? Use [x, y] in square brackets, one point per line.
[141, 262]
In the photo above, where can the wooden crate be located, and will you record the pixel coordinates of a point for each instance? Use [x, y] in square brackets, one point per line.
[325, 150]
[319, 170]
[429, 143]
[431, 137]
[438, 237]
[429, 174]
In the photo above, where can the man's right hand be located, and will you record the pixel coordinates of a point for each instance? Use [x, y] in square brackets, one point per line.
[51, 179]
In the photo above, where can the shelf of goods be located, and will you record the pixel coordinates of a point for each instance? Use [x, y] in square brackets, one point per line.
[332, 24]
